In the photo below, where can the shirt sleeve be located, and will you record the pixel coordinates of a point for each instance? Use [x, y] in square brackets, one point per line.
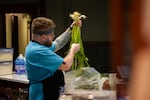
[49, 60]
[53, 47]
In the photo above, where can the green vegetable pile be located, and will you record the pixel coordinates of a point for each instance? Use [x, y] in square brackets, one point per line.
[80, 59]
[87, 78]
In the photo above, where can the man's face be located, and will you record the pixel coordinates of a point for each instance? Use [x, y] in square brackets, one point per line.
[48, 39]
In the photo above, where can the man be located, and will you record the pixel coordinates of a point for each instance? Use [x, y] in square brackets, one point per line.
[43, 65]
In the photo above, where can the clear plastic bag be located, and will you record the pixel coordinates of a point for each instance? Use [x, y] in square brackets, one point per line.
[85, 78]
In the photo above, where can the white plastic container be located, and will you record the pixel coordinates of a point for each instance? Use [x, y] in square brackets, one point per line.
[6, 68]
[6, 54]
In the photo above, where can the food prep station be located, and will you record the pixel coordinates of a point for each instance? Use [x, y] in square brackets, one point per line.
[22, 81]
[14, 86]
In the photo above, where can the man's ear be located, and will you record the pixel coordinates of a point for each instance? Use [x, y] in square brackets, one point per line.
[43, 36]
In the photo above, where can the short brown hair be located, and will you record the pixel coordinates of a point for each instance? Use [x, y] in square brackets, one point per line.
[42, 24]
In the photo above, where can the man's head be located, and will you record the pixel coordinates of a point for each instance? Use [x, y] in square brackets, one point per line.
[43, 30]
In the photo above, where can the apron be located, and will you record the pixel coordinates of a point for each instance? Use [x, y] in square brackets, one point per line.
[53, 85]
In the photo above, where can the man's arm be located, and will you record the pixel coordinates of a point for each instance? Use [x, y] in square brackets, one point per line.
[62, 40]
[69, 58]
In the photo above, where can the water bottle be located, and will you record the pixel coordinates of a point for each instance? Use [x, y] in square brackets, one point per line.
[20, 65]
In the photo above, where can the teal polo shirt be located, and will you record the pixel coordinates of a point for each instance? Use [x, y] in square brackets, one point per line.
[41, 63]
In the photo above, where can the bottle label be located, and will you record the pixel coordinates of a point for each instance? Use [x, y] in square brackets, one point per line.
[17, 69]
[22, 69]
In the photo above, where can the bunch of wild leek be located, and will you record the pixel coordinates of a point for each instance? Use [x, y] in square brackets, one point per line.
[80, 59]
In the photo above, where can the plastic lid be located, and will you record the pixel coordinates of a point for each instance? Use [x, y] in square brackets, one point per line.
[21, 56]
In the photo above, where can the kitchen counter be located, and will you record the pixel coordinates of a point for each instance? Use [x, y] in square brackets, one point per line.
[104, 94]
[15, 78]
[12, 85]
[89, 95]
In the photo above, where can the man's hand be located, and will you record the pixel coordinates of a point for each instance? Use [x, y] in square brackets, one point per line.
[75, 47]
[79, 23]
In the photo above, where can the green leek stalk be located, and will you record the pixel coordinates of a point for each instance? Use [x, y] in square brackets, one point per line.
[80, 59]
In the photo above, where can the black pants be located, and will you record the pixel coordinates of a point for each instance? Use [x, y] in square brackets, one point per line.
[52, 86]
